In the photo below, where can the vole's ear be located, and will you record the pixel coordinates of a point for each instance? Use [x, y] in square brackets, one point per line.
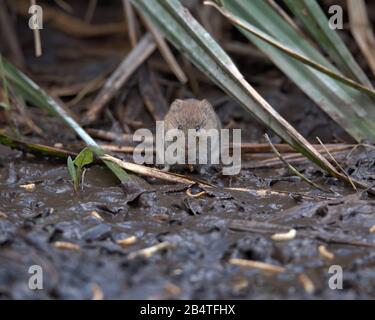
[206, 103]
[176, 104]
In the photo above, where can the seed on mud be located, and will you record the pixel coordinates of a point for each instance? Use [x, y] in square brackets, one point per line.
[240, 284]
[3, 215]
[290, 235]
[96, 215]
[66, 245]
[195, 195]
[325, 253]
[127, 241]
[177, 272]
[307, 283]
[372, 229]
[97, 293]
[172, 289]
[257, 265]
[148, 252]
[28, 187]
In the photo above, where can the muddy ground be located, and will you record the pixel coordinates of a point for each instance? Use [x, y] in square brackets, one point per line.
[75, 236]
[202, 234]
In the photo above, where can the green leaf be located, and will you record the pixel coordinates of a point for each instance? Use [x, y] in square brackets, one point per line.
[84, 158]
[72, 170]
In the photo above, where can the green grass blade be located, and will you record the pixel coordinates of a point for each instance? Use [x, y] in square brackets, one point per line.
[191, 38]
[316, 22]
[34, 94]
[351, 109]
[290, 52]
[4, 104]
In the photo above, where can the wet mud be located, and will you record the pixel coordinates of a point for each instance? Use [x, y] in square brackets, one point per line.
[200, 236]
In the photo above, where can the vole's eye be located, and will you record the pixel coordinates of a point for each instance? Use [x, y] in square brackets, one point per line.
[197, 128]
[179, 127]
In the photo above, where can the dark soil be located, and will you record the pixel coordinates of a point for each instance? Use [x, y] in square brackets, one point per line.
[202, 233]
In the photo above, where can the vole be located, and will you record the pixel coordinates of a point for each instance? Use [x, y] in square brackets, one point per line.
[197, 115]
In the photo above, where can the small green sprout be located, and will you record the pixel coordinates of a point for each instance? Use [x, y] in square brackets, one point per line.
[76, 166]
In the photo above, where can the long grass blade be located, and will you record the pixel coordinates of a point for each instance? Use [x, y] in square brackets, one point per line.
[316, 22]
[190, 37]
[353, 110]
[33, 93]
[290, 52]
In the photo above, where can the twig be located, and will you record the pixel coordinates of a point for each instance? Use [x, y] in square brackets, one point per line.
[38, 44]
[127, 67]
[357, 146]
[256, 226]
[345, 242]
[35, 147]
[90, 10]
[151, 93]
[89, 87]
[275, 162]
[130, 20]
[165, 51]
[285, 148]
[64, 5]
[285, 16]
[291, 168]
[110, 135]
[245, 146]
[155, 173]
[297, 156]
[69, 24]
[340, 167]
[120, 149]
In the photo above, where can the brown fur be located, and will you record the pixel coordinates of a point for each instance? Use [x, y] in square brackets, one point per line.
[191, 114]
